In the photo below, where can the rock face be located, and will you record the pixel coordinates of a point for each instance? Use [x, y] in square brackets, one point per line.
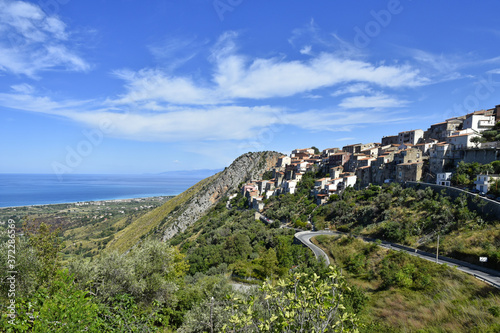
[246, 167]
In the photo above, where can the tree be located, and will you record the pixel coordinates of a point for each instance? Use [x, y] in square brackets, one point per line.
[269, 263]
[46, 245]
[477, 140]
[496, 166]
[495, 186]
[300, 303]
[316, 150]
[148, 273]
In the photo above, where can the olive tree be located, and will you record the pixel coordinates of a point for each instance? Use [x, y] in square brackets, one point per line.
[298, 303]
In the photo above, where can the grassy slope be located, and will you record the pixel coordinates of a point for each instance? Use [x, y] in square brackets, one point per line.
[436, 298]
[129, 236]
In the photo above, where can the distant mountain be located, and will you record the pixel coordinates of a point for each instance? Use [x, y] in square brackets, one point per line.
[199, 173]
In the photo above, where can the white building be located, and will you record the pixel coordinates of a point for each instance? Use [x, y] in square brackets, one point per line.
[483, 182]
[462, 141]
[349, 181]
[410, 136]
[479, 122]
[443, 178]
[289, 186]
[283, 161]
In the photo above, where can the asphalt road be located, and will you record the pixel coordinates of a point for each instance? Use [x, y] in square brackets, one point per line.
[490, 276]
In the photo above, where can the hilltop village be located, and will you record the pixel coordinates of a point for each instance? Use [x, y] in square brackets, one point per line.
[415, 155]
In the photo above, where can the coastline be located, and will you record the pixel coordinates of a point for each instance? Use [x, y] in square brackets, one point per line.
[95, 202]
[39, 189]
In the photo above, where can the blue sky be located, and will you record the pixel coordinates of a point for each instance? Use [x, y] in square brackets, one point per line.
[151, 86]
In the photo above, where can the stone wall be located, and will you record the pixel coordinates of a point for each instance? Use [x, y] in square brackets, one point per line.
[483, 156]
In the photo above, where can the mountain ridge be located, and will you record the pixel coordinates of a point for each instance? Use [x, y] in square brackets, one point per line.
[177, 214]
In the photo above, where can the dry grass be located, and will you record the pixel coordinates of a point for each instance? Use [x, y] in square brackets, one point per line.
[128, 237]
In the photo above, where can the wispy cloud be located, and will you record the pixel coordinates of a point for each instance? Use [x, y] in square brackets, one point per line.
[23, 88]
[353, 89]
[173, 52]
[311, 34]
[150, 85]
[344, 121]
[494, 71]
[32, 42]
[375, 101]
[241, 77]
[346, 139]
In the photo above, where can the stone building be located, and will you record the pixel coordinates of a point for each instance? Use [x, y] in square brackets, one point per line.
[409, 172]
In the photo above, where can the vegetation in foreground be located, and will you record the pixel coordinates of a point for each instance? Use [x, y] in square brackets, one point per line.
[154, 288]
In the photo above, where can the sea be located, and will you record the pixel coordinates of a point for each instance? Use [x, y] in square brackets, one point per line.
[43, 189]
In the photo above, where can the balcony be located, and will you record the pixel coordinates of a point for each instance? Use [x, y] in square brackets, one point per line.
[486, 123]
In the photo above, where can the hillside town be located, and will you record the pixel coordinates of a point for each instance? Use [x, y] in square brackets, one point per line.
[415, 155]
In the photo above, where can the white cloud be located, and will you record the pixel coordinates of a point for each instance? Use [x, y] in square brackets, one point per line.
[443, 63]
[23, 88]
[494, 71]
[346, 139]
[306, 50]
[189, 124]
[338, 121]
[353, 89]
[173, 52]
[236, 76]
[161, 106]
[154, 85]
[32, 41]
[266, 78]
[375, 101]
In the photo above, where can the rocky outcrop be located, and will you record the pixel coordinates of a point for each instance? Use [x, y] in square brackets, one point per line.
[246, 167]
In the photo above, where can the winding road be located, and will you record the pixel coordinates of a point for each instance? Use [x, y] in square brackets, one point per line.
[489, 276]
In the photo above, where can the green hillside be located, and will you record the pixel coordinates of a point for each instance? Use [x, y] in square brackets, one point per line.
[139, 228]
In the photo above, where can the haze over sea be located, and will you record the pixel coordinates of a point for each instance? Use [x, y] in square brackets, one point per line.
[43, 189]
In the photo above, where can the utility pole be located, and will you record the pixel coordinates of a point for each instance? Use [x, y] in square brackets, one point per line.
[437, 251]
